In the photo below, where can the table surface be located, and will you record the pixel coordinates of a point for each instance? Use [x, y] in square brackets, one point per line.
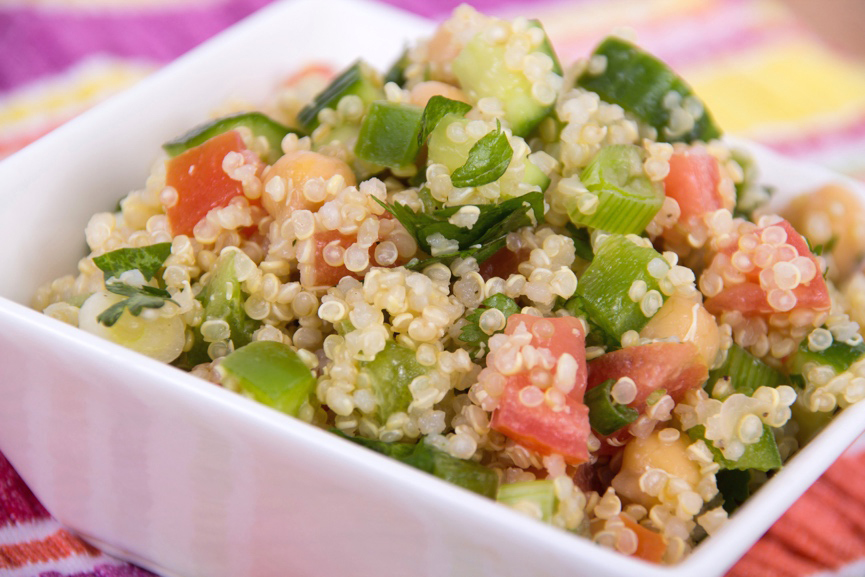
[788, 75]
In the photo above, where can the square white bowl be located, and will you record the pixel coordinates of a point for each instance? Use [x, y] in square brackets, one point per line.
[189, 479]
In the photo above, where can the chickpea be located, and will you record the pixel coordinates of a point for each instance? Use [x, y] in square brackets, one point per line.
[297, 168]
[151, 333]
[831, 212]
[653, 453]
[686, 318]
[422, 92]
[442, 48]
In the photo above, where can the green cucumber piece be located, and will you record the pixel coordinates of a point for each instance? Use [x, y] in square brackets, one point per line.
[389, 134]
[222, 299]
[640, 83]
[605, 415]
[466, 474]
[358, 79]
[839, 355]
[747, 373]
[258, 123]
[391, 373]
[481, 70]
[627, 199]
[603, 288]
[541, 493]
[271, 373]
[760, 456]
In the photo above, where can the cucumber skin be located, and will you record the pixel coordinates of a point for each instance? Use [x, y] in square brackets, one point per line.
[354, 80]
[258, 123]
[603, 288]
[638, 82]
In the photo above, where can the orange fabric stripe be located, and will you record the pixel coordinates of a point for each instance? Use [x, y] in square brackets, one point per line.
[60, 545]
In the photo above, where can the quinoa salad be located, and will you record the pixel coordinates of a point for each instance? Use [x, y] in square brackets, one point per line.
[554, 285]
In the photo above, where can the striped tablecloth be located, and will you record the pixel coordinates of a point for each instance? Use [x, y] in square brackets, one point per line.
[762, 73]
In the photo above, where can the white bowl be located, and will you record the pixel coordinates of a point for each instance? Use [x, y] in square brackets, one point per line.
[189, 479]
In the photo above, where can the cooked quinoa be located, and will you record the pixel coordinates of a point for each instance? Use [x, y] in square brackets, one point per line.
[565, 290]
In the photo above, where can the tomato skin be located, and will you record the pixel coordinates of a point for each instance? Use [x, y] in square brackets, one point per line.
[674, 367]
[200, 182]
[693, 182]
[541, 428]
[750, 299]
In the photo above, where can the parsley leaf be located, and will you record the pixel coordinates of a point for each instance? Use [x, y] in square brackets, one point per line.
[437, 108]
[472, 333]
[139, 298]
[147, 259]
[488, 159]
[494, 220]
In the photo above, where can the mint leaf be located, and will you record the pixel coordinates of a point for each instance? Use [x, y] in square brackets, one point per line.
[147, 259]
[437, 108]
[139, 298]
[488, 159]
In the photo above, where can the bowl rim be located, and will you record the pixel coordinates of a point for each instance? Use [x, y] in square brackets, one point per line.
[742, 530]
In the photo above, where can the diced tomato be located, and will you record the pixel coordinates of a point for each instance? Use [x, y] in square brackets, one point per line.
[749, 298]
[693, 182]
[674, 367]
[323, 273]
[200, 181]
[650, 544]
[567, 336]
[503, 263]
[541, 428]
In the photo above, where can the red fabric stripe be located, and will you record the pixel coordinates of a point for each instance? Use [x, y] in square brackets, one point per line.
[771, 558]
[17, 502]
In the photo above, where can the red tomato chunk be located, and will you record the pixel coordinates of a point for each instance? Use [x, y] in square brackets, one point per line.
[542, 427]
[200, 181]
[693, 182]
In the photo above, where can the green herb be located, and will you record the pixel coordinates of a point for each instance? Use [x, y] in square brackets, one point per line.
[479, 252]
[147, 259]
[472, 332]
[139, 298]
[821, 249]
[437, 108]
[483, 239]
[488, 159]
